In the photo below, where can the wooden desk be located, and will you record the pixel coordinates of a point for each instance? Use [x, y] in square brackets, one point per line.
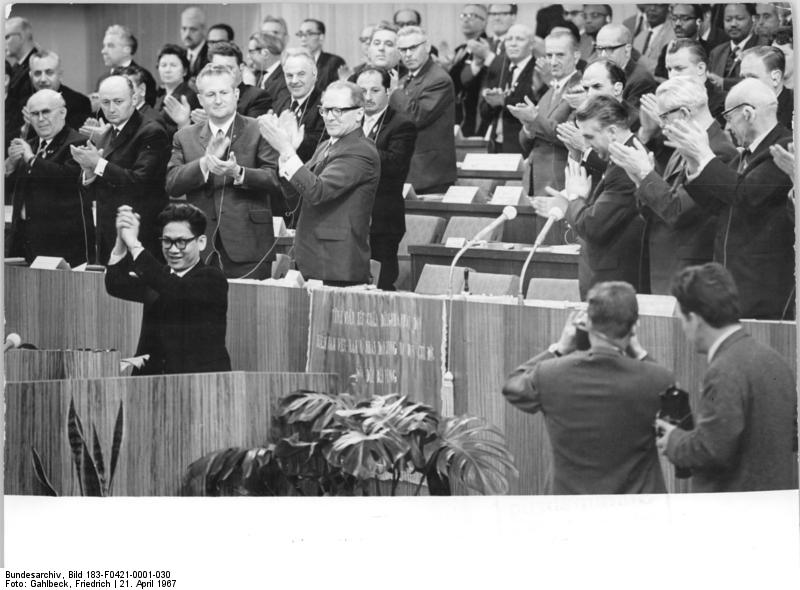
[496, 174]
[521, 229]
[496, 260]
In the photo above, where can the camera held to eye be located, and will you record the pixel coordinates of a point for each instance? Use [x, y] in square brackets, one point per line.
[676, 410]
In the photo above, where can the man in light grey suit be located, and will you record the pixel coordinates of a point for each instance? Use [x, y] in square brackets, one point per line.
[426, 96]
[225, 168]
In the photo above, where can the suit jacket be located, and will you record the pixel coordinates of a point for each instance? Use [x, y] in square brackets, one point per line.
[511, 126]
[239, 214]
[161, 115]
[649, 58]
[79, 107]
[328, 65]
[137, 163]
[755, 238]
[467, 89]
[253, 102]
[428, 99]
[546, 155]
[200, 61]
[638, 82]
[58, 219]
[722, 63]
[744, 430]
[786, 107]
[680, 233]
[598, 407]
[610, 231]
[275, 87]
[20, 86]
[184, 319]
[394, 139]
[337, 187]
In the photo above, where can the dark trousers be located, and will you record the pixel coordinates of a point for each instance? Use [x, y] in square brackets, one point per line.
[255, 269]
[383, 248]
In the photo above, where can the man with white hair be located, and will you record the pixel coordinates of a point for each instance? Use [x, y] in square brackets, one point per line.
[46, 72]
[755, 239]
[193, 36]
[427, 96]
[768, 64]
[50, 218]
[680, 233]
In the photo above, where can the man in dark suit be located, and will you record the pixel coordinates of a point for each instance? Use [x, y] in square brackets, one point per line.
[46, 72]
[119, 47]
[336, 188]
[265, 53]
[679, 232]
[226, 169]
[768, 64]
[466, 82]
[126, 166]
[312, 36]
[604, 217]
[185, 302]
[193, 35]
[50, 217]
[253, 102]
[686, 57]
[598, 404]
[614, 43]
[394, 136]
[725, 59]
[19, 49]
[511, 88]
[427, 97]
[755, 237]
[746, 417]
[686, 22]
[547, 155]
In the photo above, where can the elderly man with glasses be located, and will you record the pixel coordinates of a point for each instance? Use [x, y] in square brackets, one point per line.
[755, 237]
[614, 43]
[680, 232]
[335, 188]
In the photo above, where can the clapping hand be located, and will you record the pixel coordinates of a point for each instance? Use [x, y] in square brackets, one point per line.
[218, 146]
[783, 158]
[575, 95]
[577, 183]
[288, 122]
[715, 79]
[127, 224]
[691, 142]
[19, 149]
[479, 48]
[275, 134]
[199, 116]
[178, 110]
[569, 134]
[526, 112]
[86, 156]
[494, 97]
[394, 80]
[216, 165]
[636, 161]
[541, 73]
[648, 116]
[94, 128]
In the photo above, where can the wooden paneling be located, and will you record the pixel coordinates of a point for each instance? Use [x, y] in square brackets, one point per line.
[169, 422]
[46, 365]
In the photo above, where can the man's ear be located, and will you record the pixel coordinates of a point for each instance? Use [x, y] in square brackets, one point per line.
[201, 241]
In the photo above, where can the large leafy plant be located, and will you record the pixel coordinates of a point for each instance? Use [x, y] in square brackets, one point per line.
[89, 465]
[324, 444]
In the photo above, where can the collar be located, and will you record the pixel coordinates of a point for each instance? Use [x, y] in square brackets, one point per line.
[729, 331]
[757, 141]
[183, 272]
[557, 85]
[125, 65]
[655, 30]
[376, 116]
[301, 101]
[225, 127]
[119, 128]
[521, 65]
[196, 51]
[415, 73]
[316, 55]
[741, 43]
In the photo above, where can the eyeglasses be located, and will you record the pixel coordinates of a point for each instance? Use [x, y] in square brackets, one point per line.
[594, 15]
[506, 13]
[410, 48]
[304, 34]
[605, 48]
[684, 18]
[44, 114]
[335, 111]
[727, 113]
[663, 116]
[179, 243]
[470, 16]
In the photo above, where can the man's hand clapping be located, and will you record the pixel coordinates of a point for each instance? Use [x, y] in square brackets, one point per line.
[636, 161]
[178, 110]
[86, 156]
[691, 142]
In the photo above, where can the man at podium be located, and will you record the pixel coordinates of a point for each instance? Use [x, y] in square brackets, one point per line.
[185, 302]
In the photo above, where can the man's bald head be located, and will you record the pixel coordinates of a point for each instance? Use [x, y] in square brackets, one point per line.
[751, 110]
[48, 113]
[614, 43]
[117, 99]
[752, 91]
[614, 33]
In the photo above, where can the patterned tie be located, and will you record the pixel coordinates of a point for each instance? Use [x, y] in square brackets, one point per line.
[295, 108]
[743, 161]
[732, 61]
[510, 79]
[42, 147]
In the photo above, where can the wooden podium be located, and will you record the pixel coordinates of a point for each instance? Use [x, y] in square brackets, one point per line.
[45, 365]
[169, 422]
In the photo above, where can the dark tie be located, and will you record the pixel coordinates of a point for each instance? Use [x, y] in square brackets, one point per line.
[114, 133]
[510, 79]
[639, 23]
[408, 81]
[732, 61]
[42, 148]
[647, 41]
[295, 108]
[743, 161]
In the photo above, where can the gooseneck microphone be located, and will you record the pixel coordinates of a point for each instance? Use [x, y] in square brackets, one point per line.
[553, 215]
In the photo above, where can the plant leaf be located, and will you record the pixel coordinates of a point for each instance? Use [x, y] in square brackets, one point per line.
[116, 444]
[97, 453]
[76, 442]
[41, 475]
[90, 476]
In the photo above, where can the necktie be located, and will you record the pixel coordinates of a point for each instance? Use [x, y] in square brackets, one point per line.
[639, 23]
[295, 107]
[408, 81]
[510, 80]
[42, 148]
[647, 41]
[743, 161]
[732, 61]
[114, 133]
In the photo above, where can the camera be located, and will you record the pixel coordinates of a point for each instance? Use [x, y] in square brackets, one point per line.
[676, 410]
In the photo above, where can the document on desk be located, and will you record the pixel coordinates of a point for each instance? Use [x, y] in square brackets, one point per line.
[460, 194]
[499, 162]
[507, 195]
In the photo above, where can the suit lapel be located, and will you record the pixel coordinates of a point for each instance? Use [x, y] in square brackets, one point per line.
[130, 129]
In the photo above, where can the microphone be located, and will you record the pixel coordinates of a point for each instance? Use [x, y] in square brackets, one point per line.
[553, 215]
[508, 214]
[12, 341]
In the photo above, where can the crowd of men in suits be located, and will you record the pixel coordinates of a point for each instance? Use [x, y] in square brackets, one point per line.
[664, 139]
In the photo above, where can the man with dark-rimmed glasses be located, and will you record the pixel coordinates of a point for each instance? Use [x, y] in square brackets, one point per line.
[185, 302]
[614, 43]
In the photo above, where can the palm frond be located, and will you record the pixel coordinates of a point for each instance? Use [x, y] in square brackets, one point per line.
[38, 468]
[116, 444]
[97, 454]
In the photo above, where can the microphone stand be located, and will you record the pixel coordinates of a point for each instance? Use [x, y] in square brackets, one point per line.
[551, 219]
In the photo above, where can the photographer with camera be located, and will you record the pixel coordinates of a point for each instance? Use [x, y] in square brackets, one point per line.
[598, 399]
[744, 434]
